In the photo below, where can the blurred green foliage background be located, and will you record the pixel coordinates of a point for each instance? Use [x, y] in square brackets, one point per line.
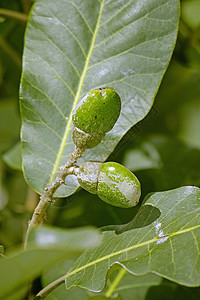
[163, 149]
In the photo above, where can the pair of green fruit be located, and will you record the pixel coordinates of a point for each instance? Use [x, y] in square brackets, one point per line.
[94, 116]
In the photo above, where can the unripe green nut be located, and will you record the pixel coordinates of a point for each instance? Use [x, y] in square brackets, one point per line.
[94, 116]
[112, 182]
[88, 176]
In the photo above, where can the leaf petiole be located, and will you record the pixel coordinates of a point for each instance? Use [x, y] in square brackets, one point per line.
[115, 282]
[13, 14]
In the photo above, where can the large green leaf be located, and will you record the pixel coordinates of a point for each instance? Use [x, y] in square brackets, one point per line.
[146, 287]
[48, 246]
[72, 47]
[163, 238]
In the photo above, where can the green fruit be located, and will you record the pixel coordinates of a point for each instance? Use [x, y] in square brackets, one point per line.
[94, 116]
[112, 182]
[88, 176]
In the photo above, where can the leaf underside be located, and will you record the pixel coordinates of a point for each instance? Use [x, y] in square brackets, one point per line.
[72, 47]
[163, 238]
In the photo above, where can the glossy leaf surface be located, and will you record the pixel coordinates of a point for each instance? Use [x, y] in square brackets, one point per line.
[72, 47]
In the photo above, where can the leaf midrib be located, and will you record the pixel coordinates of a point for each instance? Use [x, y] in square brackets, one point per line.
[128, 249]
[76, 99]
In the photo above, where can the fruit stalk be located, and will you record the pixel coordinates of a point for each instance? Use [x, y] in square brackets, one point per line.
[47, 198]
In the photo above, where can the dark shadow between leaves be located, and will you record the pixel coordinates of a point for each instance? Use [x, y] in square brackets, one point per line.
[145, 216]
[168, 290]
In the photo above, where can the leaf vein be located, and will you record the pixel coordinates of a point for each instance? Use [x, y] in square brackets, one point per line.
[127, 52]
[54, 70]
[69, 30]
[129, 249]
[42, 122]
[51, 42]
[172, 252]
[131, 23]
[78, 93]
[47, 96]
[46, 160]
[83, 17]
[196, 242]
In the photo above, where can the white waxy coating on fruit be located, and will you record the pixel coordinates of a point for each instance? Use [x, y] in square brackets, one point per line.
[112, 182]
[128, 189]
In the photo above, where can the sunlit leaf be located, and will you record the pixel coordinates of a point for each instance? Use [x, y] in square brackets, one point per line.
[163, 238]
